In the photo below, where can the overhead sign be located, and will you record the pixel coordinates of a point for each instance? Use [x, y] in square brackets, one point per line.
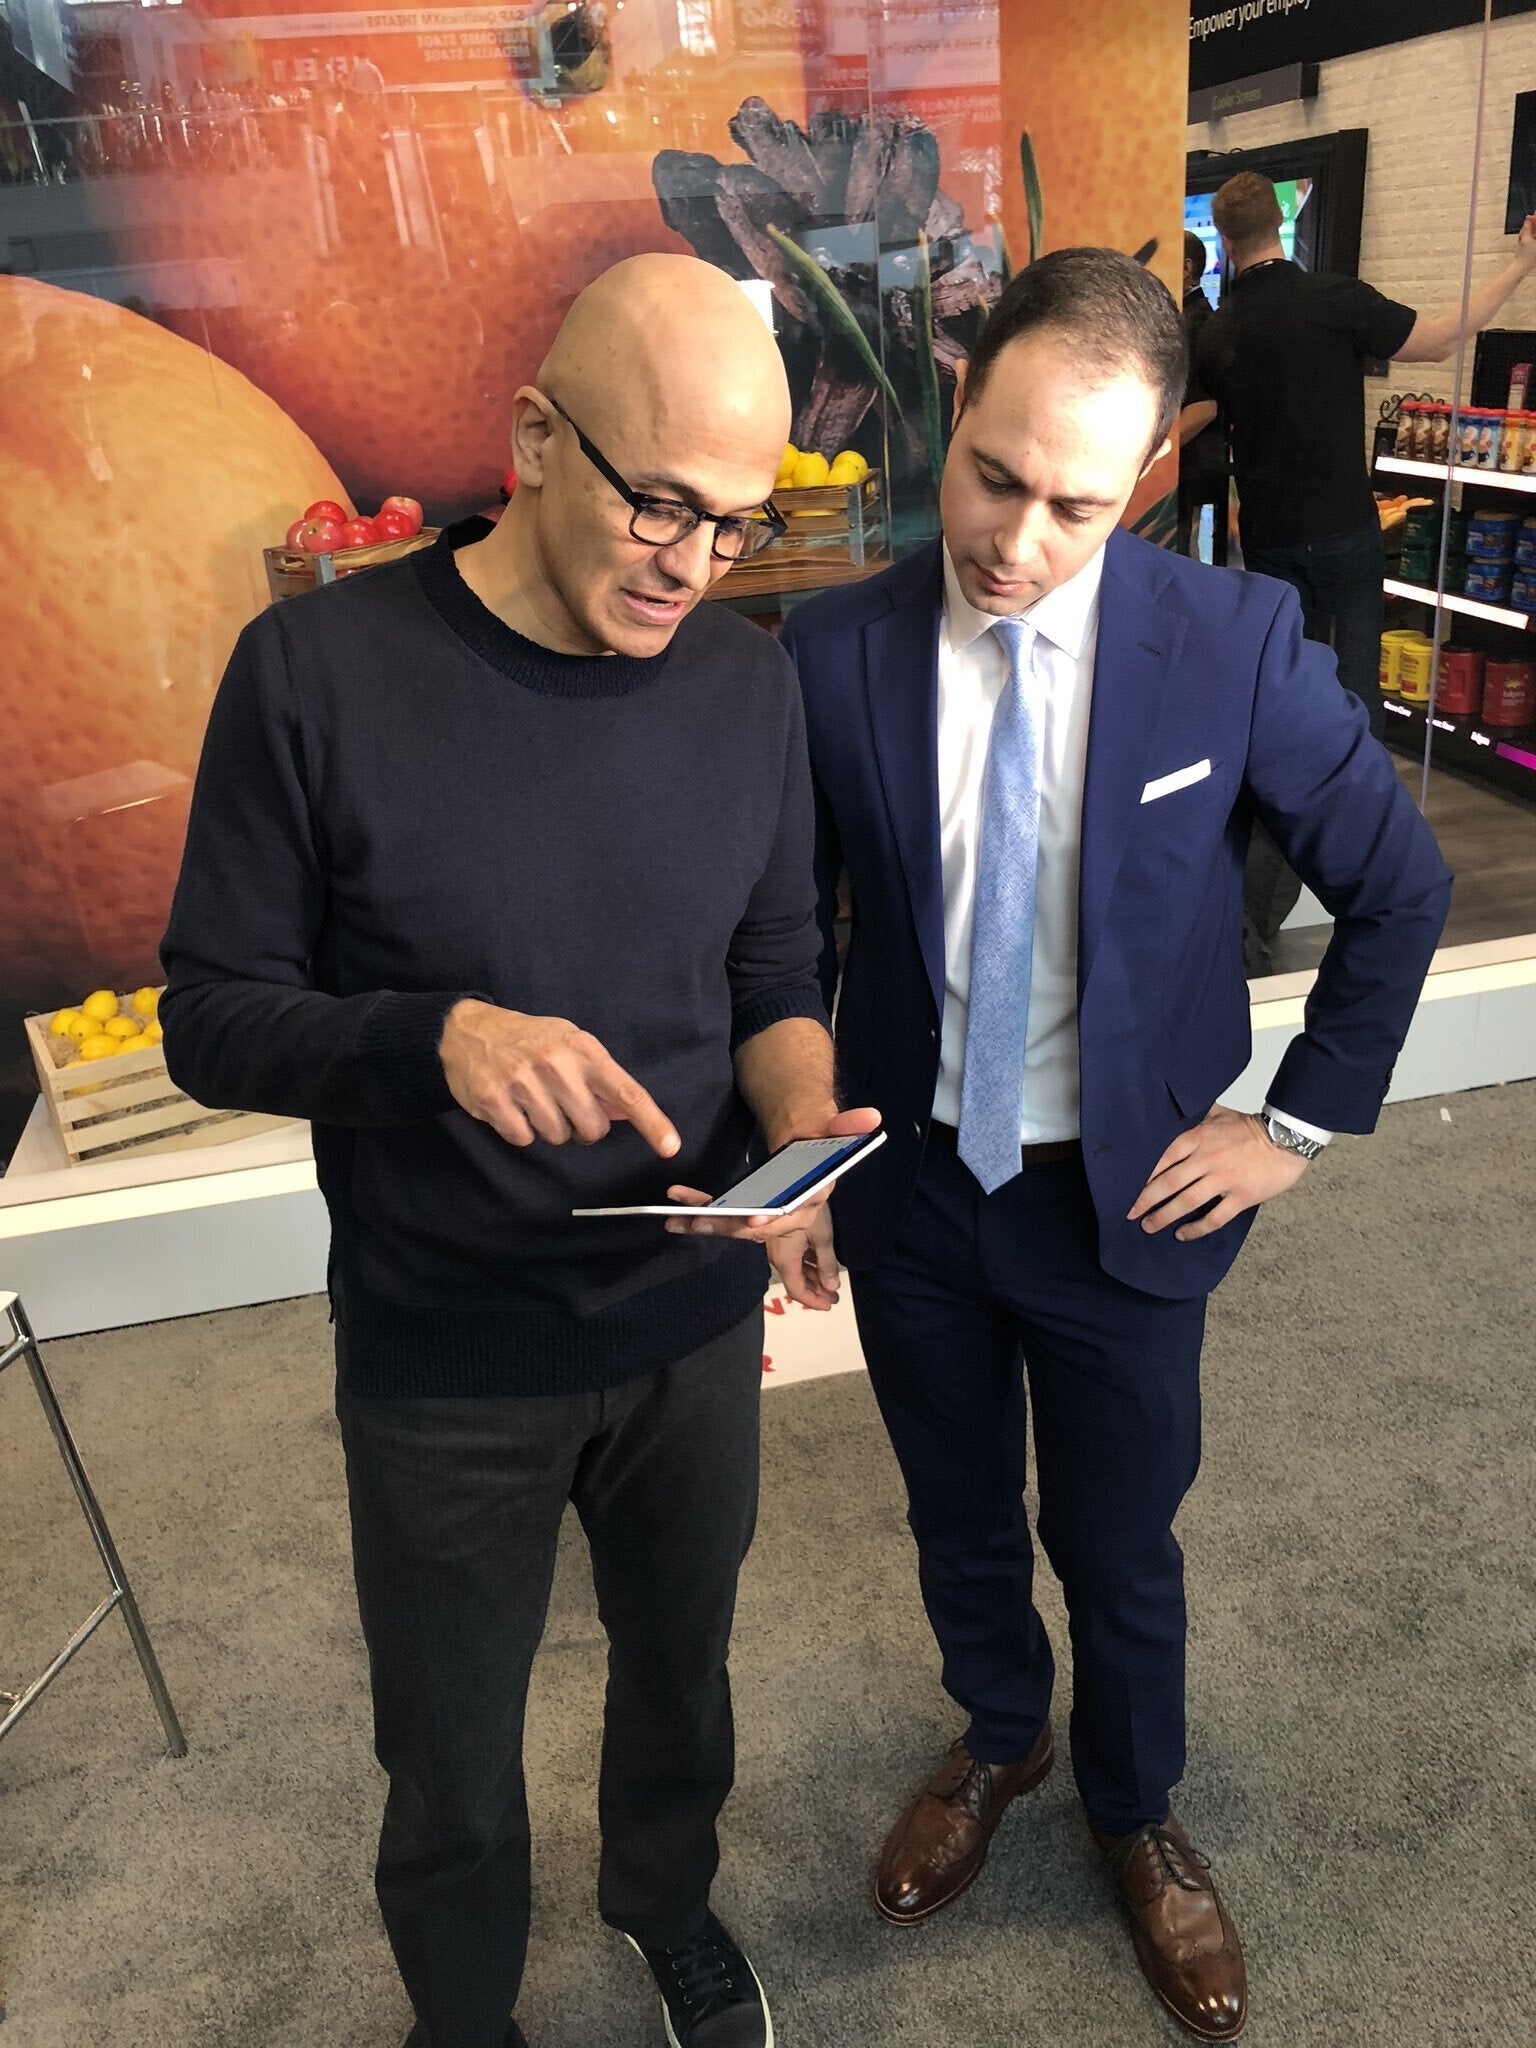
[1260, 35]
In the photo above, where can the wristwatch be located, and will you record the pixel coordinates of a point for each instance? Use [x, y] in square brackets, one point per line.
[1287, 1139]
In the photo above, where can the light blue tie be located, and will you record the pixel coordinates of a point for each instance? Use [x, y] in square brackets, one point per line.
[1003, 925]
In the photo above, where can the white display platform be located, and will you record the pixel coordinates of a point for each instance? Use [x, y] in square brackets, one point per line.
[101, 1247]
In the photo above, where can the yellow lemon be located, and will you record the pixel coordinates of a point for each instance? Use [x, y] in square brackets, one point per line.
[810, 471]
[120, 1027]
[152, 1032]
[101, 1005]
[100, 1047]
[62, 1020]
[846, 457]
[146, 1001]
[843, 473]
[138, 1043]
[81, 1027]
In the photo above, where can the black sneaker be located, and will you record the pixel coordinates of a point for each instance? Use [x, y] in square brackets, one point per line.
[710, 1996]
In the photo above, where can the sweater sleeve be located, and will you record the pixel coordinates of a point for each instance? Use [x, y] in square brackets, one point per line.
[244, 1027]
[775, 949]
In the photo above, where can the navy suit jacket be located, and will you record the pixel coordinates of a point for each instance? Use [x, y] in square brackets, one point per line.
[1194, 664]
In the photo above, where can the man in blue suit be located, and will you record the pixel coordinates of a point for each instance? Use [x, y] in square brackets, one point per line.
[1039, 748]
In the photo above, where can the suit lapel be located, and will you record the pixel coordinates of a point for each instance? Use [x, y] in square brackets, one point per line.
[1138, 647]
[901, 681]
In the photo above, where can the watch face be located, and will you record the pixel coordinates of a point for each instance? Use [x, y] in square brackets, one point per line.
[1292, 1141]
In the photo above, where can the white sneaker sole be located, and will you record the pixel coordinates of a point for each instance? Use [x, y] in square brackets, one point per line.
[666, 2017]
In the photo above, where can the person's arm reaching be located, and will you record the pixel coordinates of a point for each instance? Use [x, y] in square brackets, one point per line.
[1194, 419]
[1434, 337]
[783, 1050]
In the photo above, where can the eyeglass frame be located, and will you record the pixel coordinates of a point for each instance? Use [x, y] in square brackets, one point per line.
[640, 501]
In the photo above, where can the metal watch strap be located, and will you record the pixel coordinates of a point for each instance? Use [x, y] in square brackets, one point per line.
[1281, 1134]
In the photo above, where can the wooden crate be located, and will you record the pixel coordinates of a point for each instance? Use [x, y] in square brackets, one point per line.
[291, 570]
[844, 522]
[834, 532]
[126, 1104]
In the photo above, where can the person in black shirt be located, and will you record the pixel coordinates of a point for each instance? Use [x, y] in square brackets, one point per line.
[1283, 360]
[499, 871]
[1203, 448]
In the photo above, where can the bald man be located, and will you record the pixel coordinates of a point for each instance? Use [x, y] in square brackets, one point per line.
[499, 871]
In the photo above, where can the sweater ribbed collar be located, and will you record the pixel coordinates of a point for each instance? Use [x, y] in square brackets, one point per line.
[521, 660]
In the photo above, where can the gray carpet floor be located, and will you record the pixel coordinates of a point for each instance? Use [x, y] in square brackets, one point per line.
[1363, 1746]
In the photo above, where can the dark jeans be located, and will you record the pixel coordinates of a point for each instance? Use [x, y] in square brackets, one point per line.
[1339, 583]
[456, 1509]
[980, 1296]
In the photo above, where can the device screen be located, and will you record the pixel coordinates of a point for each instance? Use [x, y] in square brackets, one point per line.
[782, 1177]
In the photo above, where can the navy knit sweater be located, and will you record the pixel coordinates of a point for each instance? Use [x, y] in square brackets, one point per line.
[402, 802]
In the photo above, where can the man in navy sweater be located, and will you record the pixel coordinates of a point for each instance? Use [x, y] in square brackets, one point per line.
[499, 871]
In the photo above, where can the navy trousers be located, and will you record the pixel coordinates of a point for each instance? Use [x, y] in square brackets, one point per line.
[990, 1310]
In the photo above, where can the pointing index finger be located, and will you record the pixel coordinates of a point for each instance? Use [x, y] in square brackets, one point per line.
[622, 1092]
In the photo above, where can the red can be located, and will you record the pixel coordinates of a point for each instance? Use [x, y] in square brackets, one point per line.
[1509, 693]
[1459, 692]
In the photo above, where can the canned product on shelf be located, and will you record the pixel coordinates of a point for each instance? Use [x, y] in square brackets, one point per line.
[1407, 429]
[1522, 591]
[1489, 582]
[1415, 658]
[1440, 433]
[1466, 437]
[1509, 693]
[1392, 645]
[1492, 536]
[1490, 432]
[1459, 691]
[1512, 446]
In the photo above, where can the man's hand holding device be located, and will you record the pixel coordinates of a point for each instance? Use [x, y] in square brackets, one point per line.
[799, 1239]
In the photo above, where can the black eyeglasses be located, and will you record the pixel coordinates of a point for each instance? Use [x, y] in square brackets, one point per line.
[663, 522]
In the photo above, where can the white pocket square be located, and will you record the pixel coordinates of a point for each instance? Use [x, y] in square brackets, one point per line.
[1181, 778]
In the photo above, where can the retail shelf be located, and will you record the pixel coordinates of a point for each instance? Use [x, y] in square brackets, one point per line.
[1496, 614]
[1505, 759]
[1462, 473]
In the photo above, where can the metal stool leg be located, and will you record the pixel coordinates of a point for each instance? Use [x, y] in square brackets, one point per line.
[24, 1345]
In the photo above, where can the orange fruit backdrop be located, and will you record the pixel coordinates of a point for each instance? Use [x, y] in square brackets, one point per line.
[139, 481]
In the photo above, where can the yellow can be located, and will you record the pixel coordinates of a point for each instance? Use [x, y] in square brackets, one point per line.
[1414, 662]
[1391, 656]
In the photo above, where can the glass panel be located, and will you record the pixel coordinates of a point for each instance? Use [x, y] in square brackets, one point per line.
[260, 257]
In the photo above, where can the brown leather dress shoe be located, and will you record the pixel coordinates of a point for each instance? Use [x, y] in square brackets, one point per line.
[1185, 1942]
[940, 1843]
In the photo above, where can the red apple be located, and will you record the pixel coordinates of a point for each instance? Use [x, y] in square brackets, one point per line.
[395, 526]
[408, 506]
[327, 509]
[360, 533]
[316, 536]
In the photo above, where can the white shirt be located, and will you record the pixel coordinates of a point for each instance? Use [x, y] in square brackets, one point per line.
[973, 671]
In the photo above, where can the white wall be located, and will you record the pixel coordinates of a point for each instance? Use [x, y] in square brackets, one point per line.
[1419, 102]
